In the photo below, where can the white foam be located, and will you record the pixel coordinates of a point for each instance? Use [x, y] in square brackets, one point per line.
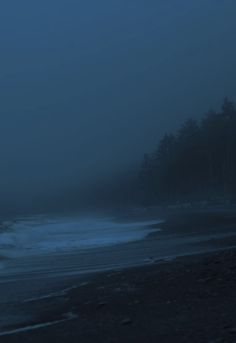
[69, 316]
[61, 293]
[47, 235]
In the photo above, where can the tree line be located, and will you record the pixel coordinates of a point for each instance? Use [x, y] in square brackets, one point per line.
[198, 162]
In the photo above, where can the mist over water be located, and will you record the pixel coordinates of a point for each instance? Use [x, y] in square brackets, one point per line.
[117, 170]
[88, 87]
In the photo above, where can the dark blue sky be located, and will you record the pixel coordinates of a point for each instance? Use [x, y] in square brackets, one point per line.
[88, 86]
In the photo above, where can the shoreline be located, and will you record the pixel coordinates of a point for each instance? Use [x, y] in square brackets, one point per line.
[191, 298]
[180, 287]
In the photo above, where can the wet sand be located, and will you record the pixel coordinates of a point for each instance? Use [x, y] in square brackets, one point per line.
[189, 299]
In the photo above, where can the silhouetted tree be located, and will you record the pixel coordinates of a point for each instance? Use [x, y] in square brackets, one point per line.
[199, 161]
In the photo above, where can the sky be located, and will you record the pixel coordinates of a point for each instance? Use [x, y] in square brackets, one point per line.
[87, 87]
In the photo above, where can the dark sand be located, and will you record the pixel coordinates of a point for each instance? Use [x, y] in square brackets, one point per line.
[191, 299]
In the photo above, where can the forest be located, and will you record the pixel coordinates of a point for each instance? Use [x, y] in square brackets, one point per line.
[196, 163]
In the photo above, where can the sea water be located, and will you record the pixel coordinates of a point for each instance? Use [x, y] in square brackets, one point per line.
[45, 235]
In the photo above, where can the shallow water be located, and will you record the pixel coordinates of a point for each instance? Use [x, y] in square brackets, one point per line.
[43, 235]
[42, 247]
[47, 256]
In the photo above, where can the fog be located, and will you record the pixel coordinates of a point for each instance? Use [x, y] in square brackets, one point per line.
[87, 87]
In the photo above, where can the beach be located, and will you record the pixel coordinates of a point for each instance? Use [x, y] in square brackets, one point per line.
[182, 293]
[188, 300]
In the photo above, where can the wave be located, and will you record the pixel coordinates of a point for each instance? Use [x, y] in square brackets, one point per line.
[42, 235]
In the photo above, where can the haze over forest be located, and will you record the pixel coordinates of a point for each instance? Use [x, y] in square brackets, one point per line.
[88, 87]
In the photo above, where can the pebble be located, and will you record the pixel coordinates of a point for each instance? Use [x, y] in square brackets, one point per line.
[126, 321]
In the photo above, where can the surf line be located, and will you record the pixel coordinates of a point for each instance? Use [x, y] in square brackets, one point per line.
[51, 295]
[68, 317]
